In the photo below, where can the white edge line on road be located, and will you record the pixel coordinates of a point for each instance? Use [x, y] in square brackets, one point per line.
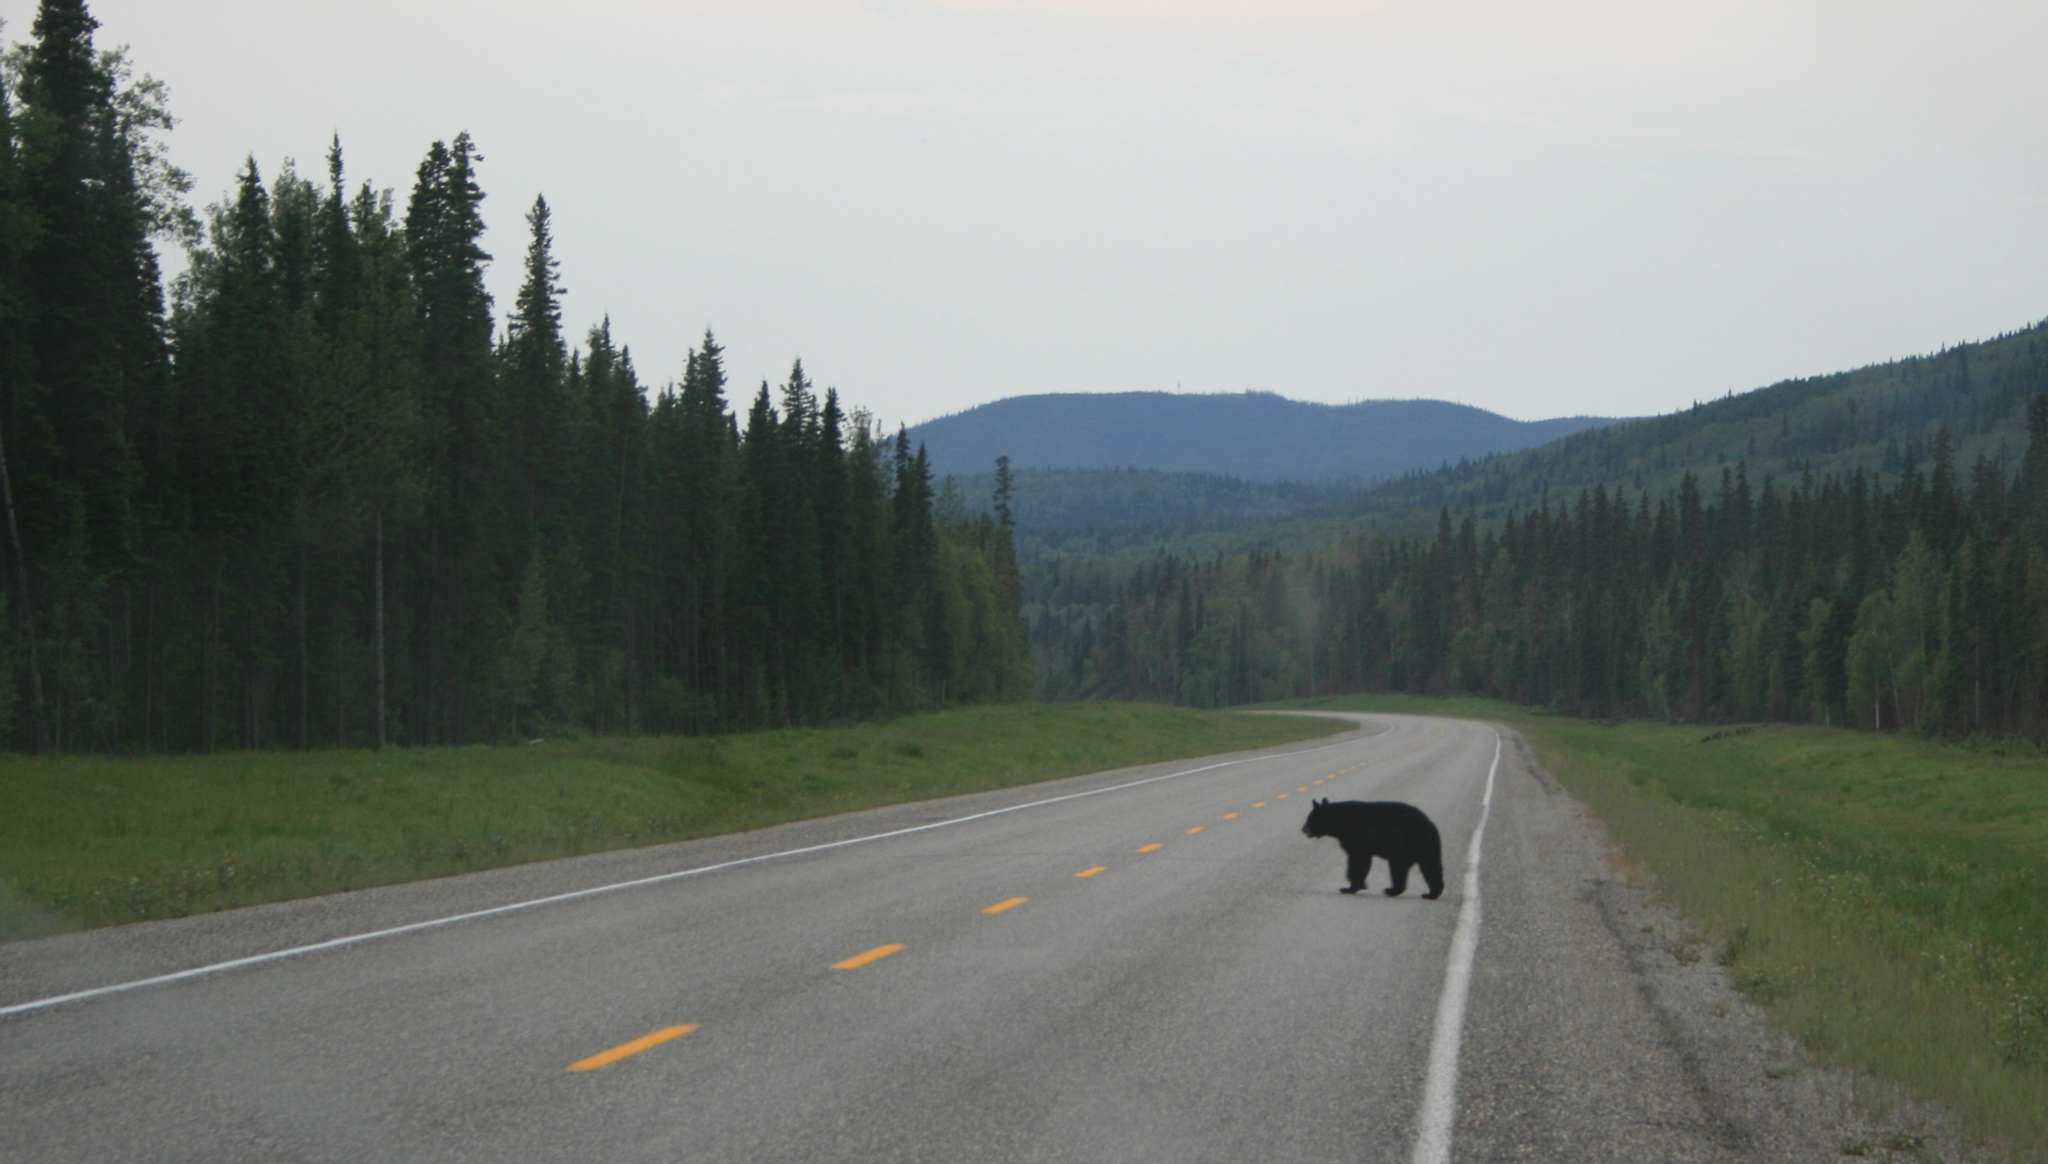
[433, 923]
[1440, 1082]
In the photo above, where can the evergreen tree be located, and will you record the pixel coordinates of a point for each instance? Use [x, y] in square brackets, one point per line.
[2031, 494]
[461, 556]
[94, 343]
[85, 370]
[542, 424]
[19, 227]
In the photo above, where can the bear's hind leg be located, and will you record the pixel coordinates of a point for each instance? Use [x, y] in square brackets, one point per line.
[1356, 866]
[1400, 871]
[1433, 872]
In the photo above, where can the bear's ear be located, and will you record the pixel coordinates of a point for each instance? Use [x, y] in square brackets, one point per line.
[1325, 800]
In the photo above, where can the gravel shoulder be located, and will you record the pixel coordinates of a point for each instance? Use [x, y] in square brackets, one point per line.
[1602, 1029]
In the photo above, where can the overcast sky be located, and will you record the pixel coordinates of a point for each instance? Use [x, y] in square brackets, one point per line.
[1542, 209]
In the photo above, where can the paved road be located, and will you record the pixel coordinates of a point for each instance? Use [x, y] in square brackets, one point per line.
[1159, 972]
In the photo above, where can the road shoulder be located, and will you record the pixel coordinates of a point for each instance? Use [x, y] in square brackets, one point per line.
[1599, 1027]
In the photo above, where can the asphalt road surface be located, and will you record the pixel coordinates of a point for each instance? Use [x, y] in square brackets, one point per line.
[1146, 965]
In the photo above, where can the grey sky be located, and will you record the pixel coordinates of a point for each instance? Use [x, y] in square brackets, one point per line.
[1538, 208]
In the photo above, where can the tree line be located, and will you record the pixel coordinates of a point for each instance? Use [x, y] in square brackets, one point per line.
[319, 497]
[1917, 600]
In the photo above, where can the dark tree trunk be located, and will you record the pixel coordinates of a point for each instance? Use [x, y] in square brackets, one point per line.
[39, 728]
[379, 586]
[305, 661]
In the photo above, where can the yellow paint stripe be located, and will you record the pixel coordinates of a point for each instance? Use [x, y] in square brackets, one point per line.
[1000, 906]
[624, 1050]
[1303, 788]
[1260, 804]
[874, 955]
[1229, 816]
[1151, 848]
[1196, 829]
[1092, 871]
[1282, 796]
[1390, 755]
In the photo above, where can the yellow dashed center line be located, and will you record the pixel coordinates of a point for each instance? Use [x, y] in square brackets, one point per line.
[625, 1050]
[874, 955]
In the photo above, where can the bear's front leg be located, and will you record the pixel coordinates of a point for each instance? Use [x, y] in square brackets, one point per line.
[1357, 866]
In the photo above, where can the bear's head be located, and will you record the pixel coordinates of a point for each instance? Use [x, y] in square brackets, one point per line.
[1318, 822]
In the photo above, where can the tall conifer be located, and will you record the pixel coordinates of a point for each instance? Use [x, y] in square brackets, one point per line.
[463, 582]
[541, 422]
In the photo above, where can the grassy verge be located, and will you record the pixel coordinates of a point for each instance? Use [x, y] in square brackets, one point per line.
[88, 841]
[1884, 898]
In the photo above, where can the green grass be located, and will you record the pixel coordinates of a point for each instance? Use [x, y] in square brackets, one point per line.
[90, 841]
[1884, 898]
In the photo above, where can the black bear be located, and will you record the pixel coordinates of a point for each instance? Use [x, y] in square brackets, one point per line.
[1399, 833]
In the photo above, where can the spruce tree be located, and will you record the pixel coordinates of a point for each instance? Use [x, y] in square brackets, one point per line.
[89, 280]
[19, 227]
[461, 582]
[540, 422]
[703, 485]
[2031, 489]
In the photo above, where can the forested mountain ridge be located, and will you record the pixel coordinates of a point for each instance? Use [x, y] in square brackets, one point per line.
[1874, 418]
[328, 501]
[1877, 418]
[1258, 436]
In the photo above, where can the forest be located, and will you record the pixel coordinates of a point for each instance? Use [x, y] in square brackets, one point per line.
[317, 494]
[1915, 600]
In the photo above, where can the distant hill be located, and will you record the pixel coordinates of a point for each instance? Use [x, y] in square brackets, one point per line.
[1258, 436]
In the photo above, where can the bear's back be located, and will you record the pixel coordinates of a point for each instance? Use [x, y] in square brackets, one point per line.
[1388, 820]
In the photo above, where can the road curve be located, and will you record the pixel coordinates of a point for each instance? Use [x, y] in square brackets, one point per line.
[1151, 965]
